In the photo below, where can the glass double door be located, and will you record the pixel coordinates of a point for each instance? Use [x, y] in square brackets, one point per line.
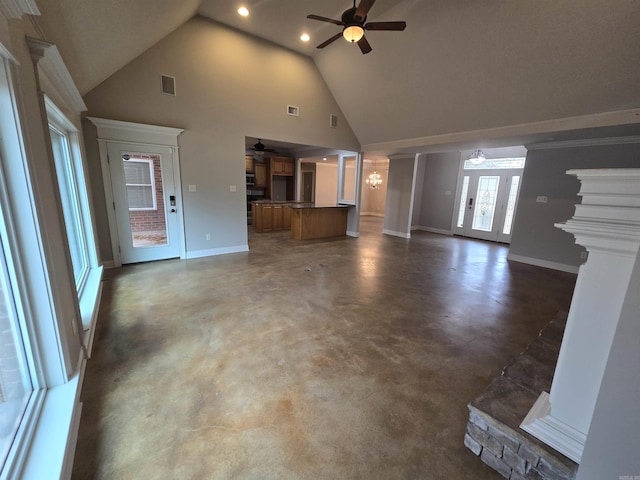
[486, 204]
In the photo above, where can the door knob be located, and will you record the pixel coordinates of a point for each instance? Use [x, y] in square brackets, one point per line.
[173, 210]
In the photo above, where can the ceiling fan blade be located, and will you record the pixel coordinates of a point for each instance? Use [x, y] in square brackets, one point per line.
[363, 43]
[363, 9]
[330, 41]
[395, 26]
[325, 19]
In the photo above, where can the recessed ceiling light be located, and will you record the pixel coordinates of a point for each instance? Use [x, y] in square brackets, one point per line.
[305, 37]
[324, 159]
[244, 11]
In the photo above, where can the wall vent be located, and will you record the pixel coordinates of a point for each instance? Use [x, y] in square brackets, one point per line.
[333, 121]
[292, 110]
[168, 85]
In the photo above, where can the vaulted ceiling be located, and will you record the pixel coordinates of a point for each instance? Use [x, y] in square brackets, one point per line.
[463, 73]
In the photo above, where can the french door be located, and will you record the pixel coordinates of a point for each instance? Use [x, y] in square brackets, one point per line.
[143, 181]
[486, 203]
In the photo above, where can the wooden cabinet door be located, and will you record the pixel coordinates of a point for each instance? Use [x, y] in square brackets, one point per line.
[277, 166]
[278, 218]
[260, 170]
[248, 163]
[286, 217]
[288, 167]
[267, 218]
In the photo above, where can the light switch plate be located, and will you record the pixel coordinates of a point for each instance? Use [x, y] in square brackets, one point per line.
[232, 188]
[542, 199]
[192, 188]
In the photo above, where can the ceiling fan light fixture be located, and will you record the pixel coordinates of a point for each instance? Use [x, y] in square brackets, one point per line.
[353, 33]
[243, 11]
[305, 37]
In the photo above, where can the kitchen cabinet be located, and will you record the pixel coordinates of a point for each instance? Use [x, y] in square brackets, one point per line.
[282, 166]
[271, 216]
[260, 172]
[248, 162]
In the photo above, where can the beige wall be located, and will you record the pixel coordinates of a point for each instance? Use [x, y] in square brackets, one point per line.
[229, 85]
[326, 183]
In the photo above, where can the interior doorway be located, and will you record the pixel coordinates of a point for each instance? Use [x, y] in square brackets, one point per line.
[487, 198]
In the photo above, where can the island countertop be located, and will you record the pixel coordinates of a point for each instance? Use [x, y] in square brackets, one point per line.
[313, 205]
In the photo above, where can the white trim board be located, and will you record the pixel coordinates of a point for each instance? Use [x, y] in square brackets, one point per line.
[217, 251]
[543, 263]
[587, 142]
[431, 230]
[371, 214]
[353, 234]
[603, 119]
[396, 234]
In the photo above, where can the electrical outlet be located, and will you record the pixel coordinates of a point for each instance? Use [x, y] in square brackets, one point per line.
[584, 255]
[74, 326]
[232, 188]
[207, 236]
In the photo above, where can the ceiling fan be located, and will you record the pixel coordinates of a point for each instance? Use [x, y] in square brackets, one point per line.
[259, 148]
[354, 23]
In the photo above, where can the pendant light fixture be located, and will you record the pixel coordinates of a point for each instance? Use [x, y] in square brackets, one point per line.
[477, 157]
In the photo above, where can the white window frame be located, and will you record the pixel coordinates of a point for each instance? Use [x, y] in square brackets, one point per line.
[88, 284]
[149, 163]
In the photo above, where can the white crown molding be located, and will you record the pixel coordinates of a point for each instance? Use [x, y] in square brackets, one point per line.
[120, 131]
[51, 65]
[588, 142]
[18, 8]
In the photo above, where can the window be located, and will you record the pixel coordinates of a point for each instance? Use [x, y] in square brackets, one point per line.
[65, 144]
[70, 204]
[495, 163]
[139, 180]
[15, 377]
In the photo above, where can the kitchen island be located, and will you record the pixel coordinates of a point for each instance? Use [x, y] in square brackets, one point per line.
[318, 221]
[269, 216]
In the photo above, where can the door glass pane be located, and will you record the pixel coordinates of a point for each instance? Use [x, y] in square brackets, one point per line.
[511, 205]
[145, 197]
[463, 201]
[495, 163]
[485, 202]
[15, 383]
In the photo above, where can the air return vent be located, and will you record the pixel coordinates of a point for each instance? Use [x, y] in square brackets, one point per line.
[333, 121]
[168, 85]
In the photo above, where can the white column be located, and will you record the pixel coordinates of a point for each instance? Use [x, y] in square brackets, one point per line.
[607, 223]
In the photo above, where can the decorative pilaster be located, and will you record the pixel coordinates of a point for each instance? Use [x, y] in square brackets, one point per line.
[607, 223]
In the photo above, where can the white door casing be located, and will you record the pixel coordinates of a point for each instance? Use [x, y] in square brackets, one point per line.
[138, 137]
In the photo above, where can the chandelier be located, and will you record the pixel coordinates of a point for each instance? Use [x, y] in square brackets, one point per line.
[477, 157]
[374, 181]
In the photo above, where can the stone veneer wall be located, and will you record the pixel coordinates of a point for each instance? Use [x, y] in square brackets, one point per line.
[493, 431]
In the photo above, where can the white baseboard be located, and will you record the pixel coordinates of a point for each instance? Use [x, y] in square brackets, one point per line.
[109, 264]
[396, 234]
[540, 423]
[353, 234]
[217, 251]
[431, 230]
[371, 214]
[544, 263]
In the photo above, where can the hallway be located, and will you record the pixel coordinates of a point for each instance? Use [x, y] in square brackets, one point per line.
[348, 358]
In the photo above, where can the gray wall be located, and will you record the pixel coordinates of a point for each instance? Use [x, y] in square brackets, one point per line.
[229, 85]
[441, 176]
[534, 234]
[398, 205]
[611, 449]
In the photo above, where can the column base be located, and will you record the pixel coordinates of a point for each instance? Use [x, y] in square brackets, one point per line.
[541, 424]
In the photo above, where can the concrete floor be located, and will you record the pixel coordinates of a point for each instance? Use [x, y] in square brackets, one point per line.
[348, 358]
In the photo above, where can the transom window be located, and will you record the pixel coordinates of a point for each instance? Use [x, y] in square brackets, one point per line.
[495, 163]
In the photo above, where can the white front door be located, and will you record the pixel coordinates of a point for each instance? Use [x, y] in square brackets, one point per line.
[486, 203]
[146, 201]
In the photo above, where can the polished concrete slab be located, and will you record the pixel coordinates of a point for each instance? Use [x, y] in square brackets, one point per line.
[342, 358]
